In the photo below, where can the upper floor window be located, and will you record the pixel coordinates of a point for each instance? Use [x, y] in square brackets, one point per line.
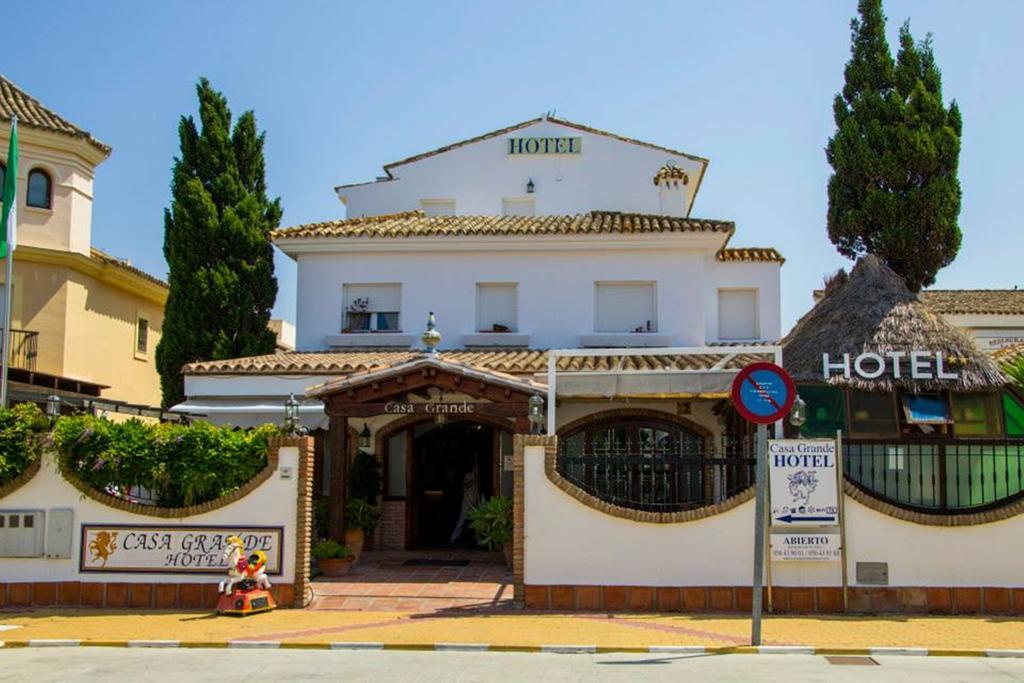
[517, 207]
[625, 307]
[371, 308]
[438, 207]
[496, 307]
[40, 189]
[737, 314]
[141, 337]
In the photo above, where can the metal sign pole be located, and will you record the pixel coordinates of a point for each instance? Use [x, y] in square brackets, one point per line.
[842, 515]
[759, 538]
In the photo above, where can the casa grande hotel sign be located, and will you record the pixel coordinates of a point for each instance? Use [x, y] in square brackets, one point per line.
[912, 364]
[172, 549]
[537, 146]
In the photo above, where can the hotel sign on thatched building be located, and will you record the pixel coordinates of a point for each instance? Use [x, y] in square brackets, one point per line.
[897, 364]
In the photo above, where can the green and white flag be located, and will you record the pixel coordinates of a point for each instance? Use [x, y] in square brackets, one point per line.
[9, 219]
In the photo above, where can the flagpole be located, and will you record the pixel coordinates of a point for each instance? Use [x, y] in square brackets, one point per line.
[9, 276]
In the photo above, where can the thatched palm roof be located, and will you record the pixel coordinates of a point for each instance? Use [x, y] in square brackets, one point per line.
[873, 311]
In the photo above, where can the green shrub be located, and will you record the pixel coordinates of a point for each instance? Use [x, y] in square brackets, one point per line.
[21, 435]
[361, 515]
[179, 465]
[491, 521]
[329, 549]
[319, 518]
[364, 481]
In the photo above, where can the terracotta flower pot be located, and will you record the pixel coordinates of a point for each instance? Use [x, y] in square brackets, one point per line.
[335, 566]
[354, 539]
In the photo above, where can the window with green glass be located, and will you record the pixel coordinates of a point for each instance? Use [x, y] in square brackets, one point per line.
[976, 414]
[872, 414]
[826, 409]
[1013, 414]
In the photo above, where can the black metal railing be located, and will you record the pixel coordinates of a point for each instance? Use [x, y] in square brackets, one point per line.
[24, 349]
[948, 476]
[680, 476]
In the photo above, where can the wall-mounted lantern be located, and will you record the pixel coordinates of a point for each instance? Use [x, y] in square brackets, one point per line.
[53, 407]
[365, 437]
[535, 414]
[529, 186]
[798, 413]
[291, 414]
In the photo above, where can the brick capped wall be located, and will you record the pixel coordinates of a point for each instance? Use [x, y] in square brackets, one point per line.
[392, 525]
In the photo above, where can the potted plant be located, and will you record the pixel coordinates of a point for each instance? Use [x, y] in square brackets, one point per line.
[333, 558]
[360, 519]
[491, 522]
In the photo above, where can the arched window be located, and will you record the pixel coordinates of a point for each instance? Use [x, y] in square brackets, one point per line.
[649, 463]
[40, 189]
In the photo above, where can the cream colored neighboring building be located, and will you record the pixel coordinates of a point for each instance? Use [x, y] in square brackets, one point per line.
[78, 314]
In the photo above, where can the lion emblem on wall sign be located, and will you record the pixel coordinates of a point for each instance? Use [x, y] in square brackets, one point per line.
[802, 485]
[103, 546]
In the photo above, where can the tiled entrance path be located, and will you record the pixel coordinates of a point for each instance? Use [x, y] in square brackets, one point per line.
[382, 582]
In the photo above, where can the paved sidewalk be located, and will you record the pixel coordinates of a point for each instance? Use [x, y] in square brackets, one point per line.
[511, 630]
[422, 582]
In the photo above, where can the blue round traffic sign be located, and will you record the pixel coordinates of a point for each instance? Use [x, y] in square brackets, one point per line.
[763, 393]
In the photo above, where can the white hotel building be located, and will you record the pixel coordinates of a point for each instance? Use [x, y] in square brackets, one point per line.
[560, 261]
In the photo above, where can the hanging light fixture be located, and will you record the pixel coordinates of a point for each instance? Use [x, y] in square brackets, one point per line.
[529, 186]
[365, 437]
[535, 414]
[291, 414]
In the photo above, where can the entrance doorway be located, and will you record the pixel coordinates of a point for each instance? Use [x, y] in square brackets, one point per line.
[453, 469]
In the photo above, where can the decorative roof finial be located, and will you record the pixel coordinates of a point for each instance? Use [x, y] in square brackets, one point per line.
[431, 337]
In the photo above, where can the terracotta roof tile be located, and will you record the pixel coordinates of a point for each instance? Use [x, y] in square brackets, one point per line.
[107, 259]
[983, 301]
[418, 224]
[1009, 354]
[670, 172]
[507, 361]
[31, 112]
[751, 254]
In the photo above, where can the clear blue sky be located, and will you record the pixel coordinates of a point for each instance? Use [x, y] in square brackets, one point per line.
[342, 88]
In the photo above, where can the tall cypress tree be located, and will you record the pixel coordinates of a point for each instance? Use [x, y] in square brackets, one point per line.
[894, 190]
[217, 244]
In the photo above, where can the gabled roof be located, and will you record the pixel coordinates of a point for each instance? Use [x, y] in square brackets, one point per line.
[507, 361]
[975, 301]
[874, 311]
[31, 112]
[524, 124]
[418, 224]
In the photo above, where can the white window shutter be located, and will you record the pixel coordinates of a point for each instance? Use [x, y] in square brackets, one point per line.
[624, 307]
[496, 305]
[737, 314]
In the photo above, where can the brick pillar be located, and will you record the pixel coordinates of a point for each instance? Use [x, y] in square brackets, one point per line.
[519, 444]
[304, 517]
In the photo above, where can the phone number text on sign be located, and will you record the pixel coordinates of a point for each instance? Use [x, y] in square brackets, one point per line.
[172, 549]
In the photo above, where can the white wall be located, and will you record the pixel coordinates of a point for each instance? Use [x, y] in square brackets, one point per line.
[608, 174]
[272, 503]
[990, 332]
[555, 288]
[567, 543]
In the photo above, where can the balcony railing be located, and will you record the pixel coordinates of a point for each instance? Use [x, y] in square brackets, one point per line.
[24, 349]
[963, 475]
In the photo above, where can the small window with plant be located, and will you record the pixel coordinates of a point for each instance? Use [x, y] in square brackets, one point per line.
[371, 308]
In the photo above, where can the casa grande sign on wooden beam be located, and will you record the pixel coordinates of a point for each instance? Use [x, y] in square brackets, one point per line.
[535, 146]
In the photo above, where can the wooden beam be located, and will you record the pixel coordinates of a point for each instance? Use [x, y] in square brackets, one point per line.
[453, 410]
[339, 472]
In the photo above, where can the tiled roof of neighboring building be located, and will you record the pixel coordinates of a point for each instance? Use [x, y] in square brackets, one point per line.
[31, 112]
[751, 254]
[1009, 354]
[509, 361]
[670, 172]
[981, 301]
[107, 259]
[418, 224]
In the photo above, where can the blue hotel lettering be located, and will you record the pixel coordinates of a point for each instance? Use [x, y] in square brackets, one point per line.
[794, 460]
[544, 145]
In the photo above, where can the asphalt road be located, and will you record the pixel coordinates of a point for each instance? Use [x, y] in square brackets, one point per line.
[122, 664]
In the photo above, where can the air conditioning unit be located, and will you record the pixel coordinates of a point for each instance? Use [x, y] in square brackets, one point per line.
[21, 533]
